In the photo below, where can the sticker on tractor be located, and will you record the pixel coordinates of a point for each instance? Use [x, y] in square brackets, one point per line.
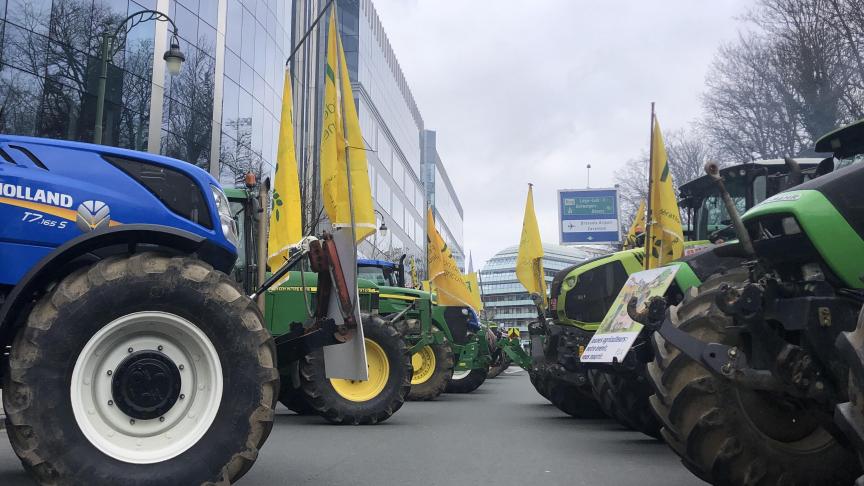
[697, 248]
[617, 332]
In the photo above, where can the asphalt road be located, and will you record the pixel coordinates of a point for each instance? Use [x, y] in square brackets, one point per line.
[502, 434]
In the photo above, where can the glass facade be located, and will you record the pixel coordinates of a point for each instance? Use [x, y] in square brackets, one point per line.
[443, 198]
[221, 112]
[49, 70]
[257, 43]
[505, 299]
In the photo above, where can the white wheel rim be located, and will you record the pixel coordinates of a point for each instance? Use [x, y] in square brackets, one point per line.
[130, 440]
[458, 375]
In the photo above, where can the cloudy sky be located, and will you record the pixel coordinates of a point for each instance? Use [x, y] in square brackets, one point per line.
[532, 91]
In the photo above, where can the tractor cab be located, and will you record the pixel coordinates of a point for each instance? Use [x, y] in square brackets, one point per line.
[747, 184]
[382, 272]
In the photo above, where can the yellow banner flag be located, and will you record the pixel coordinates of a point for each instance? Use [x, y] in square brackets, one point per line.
[529, 262]
[340, 116]
[665, 237]
[444, 274]
[286, 226]
[470, 280]
[637, 227]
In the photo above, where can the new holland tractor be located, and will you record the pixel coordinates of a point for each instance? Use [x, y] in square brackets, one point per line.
[129, 355]
[752, 368]
[121, 327]
[582, 294]
[305, 389]
[451, 349]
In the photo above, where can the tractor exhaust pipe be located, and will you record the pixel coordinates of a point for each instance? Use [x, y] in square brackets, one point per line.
[713, 171]
[794, 177]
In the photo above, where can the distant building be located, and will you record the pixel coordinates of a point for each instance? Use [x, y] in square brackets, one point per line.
[505, 299]
[443, 198]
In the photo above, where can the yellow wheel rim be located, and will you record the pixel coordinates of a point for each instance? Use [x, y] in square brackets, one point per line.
[379, 373]
[423, 362]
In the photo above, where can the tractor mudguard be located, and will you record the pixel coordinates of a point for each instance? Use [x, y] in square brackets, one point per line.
[51, 267]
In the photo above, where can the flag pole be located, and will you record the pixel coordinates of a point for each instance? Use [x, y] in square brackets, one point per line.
[649, 222]
[347, 147]
[308, 31]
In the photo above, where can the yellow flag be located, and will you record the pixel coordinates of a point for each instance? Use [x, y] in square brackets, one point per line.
[637, 227]
[665, 238]
[444, 274]
[470, 280]
[286, 226]
[529, 261]
[340, 116]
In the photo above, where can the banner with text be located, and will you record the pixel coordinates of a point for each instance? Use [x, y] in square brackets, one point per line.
[588, 216]
[617, 332]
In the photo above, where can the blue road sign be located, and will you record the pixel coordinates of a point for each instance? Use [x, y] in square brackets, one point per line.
[588, 216]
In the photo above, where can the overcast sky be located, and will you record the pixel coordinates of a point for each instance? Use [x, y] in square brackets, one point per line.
[532, 91]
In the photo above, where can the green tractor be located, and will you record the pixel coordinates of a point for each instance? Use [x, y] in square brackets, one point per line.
[582, 294]
[305, 386]
[758, 370]
[450, 349]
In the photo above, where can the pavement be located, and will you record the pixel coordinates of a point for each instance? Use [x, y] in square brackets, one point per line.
[502, 434]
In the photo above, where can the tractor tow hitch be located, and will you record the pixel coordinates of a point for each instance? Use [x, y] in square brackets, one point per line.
[720, 359]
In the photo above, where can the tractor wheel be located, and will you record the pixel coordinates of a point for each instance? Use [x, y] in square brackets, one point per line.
[141, 370]
[539, 377]
[433, 367]
[502, 363]
[467, 381]
[727, 434]
[294, 399]
[361, 402]
[624, 396]
[577, 401]
[850, 415]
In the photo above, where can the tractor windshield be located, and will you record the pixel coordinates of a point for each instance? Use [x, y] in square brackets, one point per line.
[379, 275]
[712, 216]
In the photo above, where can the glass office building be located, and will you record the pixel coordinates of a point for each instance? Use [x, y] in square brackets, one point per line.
[443, 198]
[505, 299]
[221, 112]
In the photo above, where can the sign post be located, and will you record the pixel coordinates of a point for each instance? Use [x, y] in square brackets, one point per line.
[588, 216]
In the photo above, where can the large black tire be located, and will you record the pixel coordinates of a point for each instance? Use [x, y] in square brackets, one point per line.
[321, 395]
[624, 395]
[501, 363]
[576, 401]
[294, 399]
[729, 435]
[467, 382]
[539, 377]
[43, 428]
[433, 386]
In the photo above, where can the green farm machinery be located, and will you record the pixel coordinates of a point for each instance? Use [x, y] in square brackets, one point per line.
[758, 370]
[306, 387]
[582, 294]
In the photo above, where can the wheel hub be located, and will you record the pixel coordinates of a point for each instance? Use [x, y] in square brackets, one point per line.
[146, 385]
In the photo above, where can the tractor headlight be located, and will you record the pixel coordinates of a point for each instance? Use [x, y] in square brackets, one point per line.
[229, 226]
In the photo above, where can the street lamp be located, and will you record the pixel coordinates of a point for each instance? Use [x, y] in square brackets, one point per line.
[173, 57]
[382, 229]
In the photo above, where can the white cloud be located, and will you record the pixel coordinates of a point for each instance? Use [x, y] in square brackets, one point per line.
[531, 91]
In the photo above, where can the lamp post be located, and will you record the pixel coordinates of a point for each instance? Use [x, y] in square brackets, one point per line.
[588, 177]
[382, 229]
[173, 57]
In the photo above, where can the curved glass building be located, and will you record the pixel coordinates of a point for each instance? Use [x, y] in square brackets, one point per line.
[505, 299]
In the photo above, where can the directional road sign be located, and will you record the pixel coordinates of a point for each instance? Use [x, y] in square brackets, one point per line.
[588, 216]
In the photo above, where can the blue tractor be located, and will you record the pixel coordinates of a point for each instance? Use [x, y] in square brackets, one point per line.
[129, 356]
